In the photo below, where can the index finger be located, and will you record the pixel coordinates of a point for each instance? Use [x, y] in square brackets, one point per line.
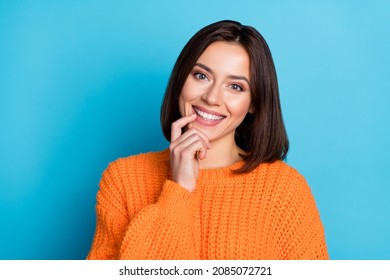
[179, 124]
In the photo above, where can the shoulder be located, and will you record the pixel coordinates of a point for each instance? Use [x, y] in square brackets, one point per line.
[287, 188]
[292, 205]
[280, 171]
[134, 169]
[282, 178]
[143, 161]
[134, 173]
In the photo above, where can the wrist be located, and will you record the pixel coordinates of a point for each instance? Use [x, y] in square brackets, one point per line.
[189, 185]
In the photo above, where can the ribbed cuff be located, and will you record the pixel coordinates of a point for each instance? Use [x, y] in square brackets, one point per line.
[176, 202]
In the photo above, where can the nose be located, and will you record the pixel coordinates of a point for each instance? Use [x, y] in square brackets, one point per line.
[213, 95]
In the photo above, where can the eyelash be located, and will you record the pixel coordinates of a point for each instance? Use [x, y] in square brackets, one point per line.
[236, 87]
[201, 76]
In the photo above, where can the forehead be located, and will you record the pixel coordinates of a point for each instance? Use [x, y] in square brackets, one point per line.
[226, 58]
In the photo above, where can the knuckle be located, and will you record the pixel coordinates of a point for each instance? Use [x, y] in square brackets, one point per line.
[174, 150]
[173, 125]
[193, 136]
[196, 135]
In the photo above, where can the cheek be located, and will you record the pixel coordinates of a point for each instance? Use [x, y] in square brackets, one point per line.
[188, 94]
[239, 107]
[184, 98]
[190, 90]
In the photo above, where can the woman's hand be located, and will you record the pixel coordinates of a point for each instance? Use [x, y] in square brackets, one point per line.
[186, 151]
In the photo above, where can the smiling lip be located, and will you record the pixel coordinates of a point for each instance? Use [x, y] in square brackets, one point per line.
[207, 117]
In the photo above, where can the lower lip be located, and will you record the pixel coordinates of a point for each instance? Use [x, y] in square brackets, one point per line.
[205, 122]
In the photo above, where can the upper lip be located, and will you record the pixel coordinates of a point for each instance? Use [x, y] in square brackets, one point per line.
[208, 111]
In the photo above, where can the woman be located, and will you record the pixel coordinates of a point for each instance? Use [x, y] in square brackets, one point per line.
[221, 190]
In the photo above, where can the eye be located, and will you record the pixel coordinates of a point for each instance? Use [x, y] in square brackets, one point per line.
[236, 87]
[200, 76]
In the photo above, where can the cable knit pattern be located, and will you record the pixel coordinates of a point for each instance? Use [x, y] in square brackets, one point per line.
[269, 213]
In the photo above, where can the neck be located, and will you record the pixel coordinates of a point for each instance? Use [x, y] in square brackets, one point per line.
[221, 154]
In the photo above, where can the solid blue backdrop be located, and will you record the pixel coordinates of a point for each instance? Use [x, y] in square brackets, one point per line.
[81, 83]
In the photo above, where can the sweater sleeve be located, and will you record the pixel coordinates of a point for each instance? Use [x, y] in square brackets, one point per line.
[164, 230]
[160, 230]
[305, 237]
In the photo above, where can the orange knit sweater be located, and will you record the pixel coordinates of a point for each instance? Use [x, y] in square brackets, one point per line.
[269, 213]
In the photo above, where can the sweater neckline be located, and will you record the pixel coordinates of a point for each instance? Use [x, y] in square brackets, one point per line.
[219, 173]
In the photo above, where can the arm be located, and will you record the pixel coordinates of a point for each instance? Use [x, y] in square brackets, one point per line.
[304, 232]
[164, 230]
[161, 229]
[111, 216]
[154, 230]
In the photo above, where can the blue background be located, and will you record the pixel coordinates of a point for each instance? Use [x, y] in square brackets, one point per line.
[81, 83]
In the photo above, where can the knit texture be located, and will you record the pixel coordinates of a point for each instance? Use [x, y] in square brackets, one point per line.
[269, 213]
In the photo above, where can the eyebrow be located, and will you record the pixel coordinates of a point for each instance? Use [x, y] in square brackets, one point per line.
[234, 77]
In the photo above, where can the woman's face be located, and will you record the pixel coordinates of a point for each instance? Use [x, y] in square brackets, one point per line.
[218, 91]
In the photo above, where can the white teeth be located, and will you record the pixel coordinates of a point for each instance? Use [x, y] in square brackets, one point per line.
[207, 116]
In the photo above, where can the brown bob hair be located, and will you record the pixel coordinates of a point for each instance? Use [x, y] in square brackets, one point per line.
[262, 134]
